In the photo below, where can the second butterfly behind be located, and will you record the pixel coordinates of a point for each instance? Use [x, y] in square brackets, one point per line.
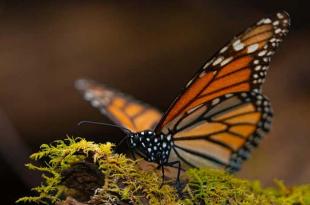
[220, 115]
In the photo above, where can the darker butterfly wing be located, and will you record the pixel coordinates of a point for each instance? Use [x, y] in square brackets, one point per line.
[120, 108]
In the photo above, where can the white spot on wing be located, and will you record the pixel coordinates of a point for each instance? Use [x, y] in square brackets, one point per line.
[280, 16]
[257, 68]
[267, 21]
[278, 31]
[207, 64]
[270, 53]
[215, 101]
[237, 45]
[88, 96]
[228, 95]
[227, 60]
[260, 22]
[236, 42]
[194, 108]
[252, 48]
[202, 74]
[276, 23]
[218, 60]
[244, 95]
[95, 103]
[272, 40]
[189, 83]
[262, 53]
[223, 49]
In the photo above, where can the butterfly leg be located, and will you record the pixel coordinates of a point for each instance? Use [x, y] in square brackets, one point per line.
[170, 164]
[163, 175]
[133, 155]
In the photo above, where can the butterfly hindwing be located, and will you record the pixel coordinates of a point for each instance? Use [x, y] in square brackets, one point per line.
[240, 66]
[121, 109]
[221, 133]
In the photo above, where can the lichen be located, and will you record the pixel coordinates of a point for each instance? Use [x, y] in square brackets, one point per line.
[122, 181]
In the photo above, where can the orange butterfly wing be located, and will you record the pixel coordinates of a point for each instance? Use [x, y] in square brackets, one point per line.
[121, 109]
[222, 133]
[240, 66]
[221, 114]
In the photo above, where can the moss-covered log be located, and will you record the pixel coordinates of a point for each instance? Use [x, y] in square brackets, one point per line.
[76, 171]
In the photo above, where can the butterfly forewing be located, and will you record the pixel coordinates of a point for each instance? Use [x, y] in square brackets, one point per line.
[123, 110]
[240, 66]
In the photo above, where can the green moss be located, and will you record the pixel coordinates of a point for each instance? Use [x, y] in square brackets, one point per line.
[124, 181]
[211, 186]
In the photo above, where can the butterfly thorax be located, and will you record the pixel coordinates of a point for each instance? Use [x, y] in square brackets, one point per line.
[151, 146]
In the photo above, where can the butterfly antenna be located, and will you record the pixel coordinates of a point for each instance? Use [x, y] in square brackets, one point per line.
[105, 124]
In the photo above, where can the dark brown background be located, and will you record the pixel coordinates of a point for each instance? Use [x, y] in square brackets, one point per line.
[150, 50]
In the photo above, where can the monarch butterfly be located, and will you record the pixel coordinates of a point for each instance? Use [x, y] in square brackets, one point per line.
[220, 115]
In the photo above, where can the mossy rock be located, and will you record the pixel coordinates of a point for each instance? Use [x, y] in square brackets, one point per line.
[79, 172]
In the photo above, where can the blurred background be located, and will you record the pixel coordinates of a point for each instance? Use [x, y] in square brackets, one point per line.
[149, 49]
